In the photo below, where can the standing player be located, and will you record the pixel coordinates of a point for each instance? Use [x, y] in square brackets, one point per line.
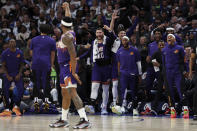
[129, 68]
[116, 45]
[13, 60]
[173, 60]
[43, 54]
[171, 30]
[151, 75]
[68, 77]
[101, 58]
[157, 63]
[114, 70]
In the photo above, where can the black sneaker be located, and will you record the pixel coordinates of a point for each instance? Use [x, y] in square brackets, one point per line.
[83, 124]
[36, 107]
[59, 123]
[195, 117]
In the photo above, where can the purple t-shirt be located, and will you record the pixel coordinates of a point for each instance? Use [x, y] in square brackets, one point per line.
[42, 46]
[128, 59]
[173, 57]
[152, 48]
[12, 60]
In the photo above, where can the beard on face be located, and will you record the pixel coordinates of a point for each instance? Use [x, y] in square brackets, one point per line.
[99, 37]
[126, 45]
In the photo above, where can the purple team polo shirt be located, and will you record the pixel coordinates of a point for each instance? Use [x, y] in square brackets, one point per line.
[173, 56]
[128, 59]
[12, 60]
[152, 48]
[42, 46]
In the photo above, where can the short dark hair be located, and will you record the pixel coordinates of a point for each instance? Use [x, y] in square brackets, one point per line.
[45, 28]
[161, 41]
[100, 28]
[157, 30]
[121, 30]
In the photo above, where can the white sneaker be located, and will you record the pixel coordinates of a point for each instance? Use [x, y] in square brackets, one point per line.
[104, 111]
[117, 110]
[135, 112]
[123, 110]
[89, 109]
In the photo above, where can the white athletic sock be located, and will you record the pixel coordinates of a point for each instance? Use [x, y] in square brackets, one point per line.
[82, 113]
[125, 94]
[47, 100]
[54, 94]
[35, 99]
[65, 114]
[105, 95]
[115, 90]
[124, 103]
[94, 91]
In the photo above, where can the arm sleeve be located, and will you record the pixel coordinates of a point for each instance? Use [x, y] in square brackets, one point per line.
[105, 22]
[112, 37]
[86, 54]
[132, 28]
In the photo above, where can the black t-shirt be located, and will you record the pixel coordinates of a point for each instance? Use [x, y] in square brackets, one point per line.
[158, 56]
[143, 53]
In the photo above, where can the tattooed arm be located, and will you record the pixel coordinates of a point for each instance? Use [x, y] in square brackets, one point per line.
[68, 41]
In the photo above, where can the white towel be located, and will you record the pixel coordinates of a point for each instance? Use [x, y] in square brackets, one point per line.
[96, 50]
[116, 45]
[155, 67]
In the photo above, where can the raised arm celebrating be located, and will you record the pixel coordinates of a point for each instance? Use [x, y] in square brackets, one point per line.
[66, 8]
